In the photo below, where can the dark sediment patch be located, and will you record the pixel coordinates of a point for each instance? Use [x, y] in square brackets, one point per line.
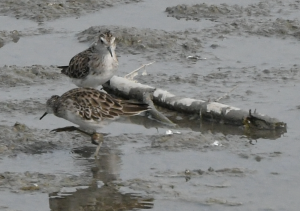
[12, 76]
[279, 28]
[41, 11]
[213, 12]
[9, 36]
[255, 19]
[20, 138]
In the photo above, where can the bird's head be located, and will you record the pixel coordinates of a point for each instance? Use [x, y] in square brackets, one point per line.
[50, 105]
[106, 42]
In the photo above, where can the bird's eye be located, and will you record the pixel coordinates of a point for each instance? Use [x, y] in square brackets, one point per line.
[102, 41]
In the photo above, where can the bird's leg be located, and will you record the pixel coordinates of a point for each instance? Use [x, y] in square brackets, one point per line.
[97, 150]
[97, 138]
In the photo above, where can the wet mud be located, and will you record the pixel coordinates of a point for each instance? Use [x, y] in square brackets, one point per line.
[256, 19]
[207, 165]
[153, 44]
[41, 11]
[15, 35]
[12, 76]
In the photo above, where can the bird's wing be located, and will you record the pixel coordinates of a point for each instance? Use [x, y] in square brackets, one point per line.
[93, 104]
[78, 67]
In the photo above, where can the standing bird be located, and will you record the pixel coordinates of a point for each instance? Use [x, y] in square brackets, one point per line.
[88, 107]
[94, 66]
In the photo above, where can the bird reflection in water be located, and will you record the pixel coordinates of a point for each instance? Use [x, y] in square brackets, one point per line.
[95, 197]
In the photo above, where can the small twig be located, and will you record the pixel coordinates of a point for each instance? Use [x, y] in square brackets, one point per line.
[226, 94]
[143, 66]
[154, 112]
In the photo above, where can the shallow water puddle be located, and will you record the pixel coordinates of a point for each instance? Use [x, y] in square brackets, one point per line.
[44, 163]
[28, 50]
[253, 174]
[126, 15]
[214, 179]
[16, 24]
[263, 52]
[25, 202]
[98, 194]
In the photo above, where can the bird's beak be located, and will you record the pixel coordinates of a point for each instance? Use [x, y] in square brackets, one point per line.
[109, 49]
[43, 115]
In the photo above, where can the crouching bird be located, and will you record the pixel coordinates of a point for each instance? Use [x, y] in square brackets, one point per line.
[88, 108]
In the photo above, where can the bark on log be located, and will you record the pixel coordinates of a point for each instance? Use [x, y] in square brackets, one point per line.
[212, 111]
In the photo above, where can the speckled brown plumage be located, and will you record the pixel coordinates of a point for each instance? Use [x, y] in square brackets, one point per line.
[98, 60]
[78, 66]
[87, 105]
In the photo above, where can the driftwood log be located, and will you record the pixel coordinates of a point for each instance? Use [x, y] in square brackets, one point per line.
[211, 111]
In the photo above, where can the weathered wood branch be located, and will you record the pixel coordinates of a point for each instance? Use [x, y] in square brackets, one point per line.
[212, 111]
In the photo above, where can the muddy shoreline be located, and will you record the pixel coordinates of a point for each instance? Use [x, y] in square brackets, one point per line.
[253, 46]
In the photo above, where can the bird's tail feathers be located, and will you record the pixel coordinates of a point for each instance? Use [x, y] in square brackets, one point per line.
[131, 108]
[63, 69]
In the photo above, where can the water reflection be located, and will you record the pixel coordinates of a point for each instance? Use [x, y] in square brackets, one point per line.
[104, 198]
[188, 122]
[101, 194]
[196, 124]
